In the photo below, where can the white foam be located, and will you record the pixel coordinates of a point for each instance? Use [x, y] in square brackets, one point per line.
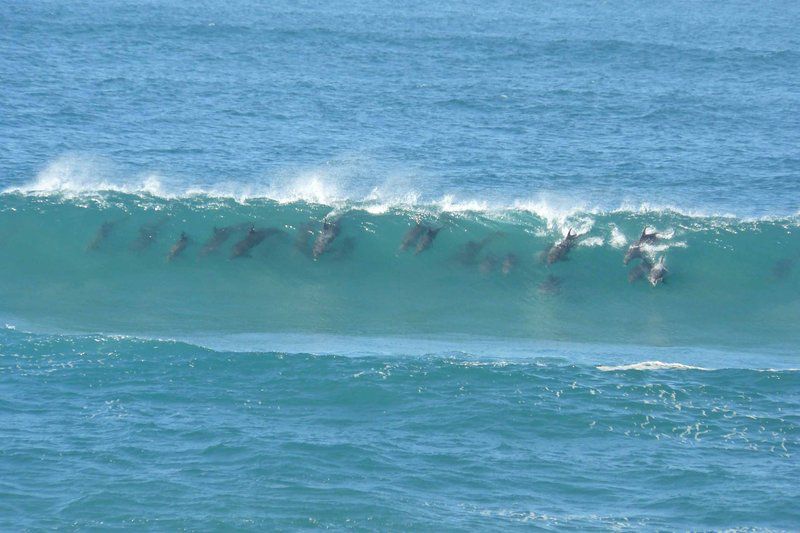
[557, 212]
[591, 242]
[649, 208]
[75, 175]
[340, 184]
[650, 365]
[618, 239]
[449, 204]
[653, 250]
[315, 186]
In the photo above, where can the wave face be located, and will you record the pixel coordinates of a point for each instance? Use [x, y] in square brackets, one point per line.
[99, 262]
[167, 435]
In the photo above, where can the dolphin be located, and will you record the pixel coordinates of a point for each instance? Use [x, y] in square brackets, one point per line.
[647, 238]
[426, 240]
[219, 237]
[635, 249]
[559, 251]
[509, 262]
[147, 235]
[657, 272]
[253, 238]
[304, 234]
[634, 252]
[639, 271]
[330, 230]
[468, 254]
[101, 235]
[412, 236]
[782, 268]
[179, 246]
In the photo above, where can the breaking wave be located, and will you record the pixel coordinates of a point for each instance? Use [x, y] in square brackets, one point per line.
[143, 263]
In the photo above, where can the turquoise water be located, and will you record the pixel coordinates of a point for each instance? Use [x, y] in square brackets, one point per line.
[390, 348]
[119, 432]
[730, 283]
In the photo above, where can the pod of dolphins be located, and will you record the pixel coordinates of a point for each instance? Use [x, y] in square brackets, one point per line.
[419, 238]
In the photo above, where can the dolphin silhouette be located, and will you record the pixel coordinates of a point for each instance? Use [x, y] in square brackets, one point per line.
[304, 234]
[635, 249]
[469, 252]
[253, 238]
[782, 268]
[220, 236]
[102, 234]
[648, 238]
[147, 234]
[426, 240]
[412, 236]
[330, 230]
[179, 246]
[559, 251]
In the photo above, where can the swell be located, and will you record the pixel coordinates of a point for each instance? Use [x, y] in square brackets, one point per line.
[170, 407]
[47, 351]
[102, 263]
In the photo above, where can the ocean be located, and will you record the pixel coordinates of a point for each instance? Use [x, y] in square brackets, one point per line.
[278, 266]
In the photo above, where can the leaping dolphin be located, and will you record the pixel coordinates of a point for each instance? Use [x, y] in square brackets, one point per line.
[179, 246]
[559, 251]
[657, 272]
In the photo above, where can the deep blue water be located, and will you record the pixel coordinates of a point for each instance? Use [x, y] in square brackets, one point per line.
[317, 371]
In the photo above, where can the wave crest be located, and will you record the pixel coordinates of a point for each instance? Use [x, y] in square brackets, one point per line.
[344, 186]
